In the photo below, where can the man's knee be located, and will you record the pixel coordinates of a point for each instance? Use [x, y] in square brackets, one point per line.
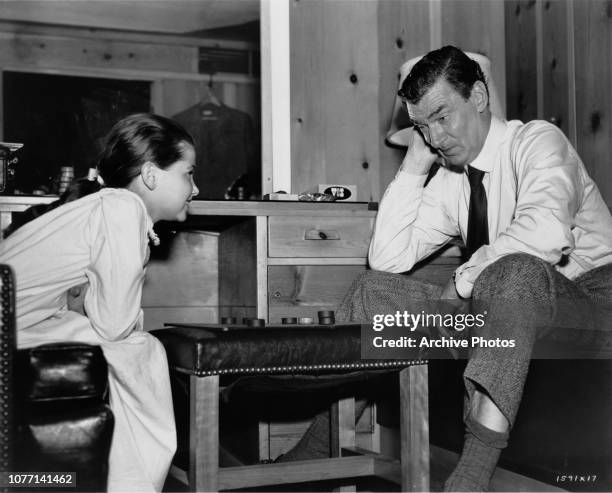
[514, 276]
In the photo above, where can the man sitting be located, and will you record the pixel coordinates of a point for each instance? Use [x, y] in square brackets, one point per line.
[536, 230]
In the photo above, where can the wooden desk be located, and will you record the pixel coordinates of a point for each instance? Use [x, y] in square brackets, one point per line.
[281, 259]
[276, 259]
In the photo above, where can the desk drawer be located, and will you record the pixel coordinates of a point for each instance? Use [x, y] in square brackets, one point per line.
[319, 237]
[303, 290]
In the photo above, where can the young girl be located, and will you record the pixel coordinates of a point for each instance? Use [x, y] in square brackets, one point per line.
[102, 241]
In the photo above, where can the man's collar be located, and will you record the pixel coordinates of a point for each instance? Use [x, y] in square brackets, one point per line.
[485, 159]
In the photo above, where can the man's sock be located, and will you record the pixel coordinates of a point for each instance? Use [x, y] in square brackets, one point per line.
[481, 451]
[314, 444]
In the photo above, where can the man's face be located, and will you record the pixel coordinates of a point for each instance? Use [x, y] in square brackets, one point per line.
[455, 127]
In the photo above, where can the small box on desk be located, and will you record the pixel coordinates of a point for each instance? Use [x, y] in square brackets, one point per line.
[344, 193]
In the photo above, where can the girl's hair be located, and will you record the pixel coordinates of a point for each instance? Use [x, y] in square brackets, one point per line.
[137, 139]
[131, 142]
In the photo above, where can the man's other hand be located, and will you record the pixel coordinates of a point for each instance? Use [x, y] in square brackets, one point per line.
[455, 303]
[419, 157]
[449, 292]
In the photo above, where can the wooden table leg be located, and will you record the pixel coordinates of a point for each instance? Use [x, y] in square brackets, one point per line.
[414, 428]
[204, 433]
[343, 431]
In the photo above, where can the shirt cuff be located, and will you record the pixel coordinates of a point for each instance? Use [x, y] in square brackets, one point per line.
[407, 179]
[462, 284]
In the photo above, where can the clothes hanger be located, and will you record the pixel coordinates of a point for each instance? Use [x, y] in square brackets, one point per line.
[209, 95]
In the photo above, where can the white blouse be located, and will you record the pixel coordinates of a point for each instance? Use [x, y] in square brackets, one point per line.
[101, 239]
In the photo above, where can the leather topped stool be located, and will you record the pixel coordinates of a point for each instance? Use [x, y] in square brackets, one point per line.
[213, 356]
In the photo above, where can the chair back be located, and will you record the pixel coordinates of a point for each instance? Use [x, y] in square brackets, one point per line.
[7, 356]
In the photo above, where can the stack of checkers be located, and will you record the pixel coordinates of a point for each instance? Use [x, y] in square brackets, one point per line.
[326, 317]
[248, 321]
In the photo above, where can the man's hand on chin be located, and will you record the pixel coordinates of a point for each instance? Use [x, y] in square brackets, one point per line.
[419, 157]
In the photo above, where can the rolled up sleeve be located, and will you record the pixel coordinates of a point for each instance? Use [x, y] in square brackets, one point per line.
[412, 223]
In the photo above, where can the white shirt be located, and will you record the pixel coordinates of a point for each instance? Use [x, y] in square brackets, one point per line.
[541, 201]
[101, 238]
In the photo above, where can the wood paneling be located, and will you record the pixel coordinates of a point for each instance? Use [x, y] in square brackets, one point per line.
[559, 56]
[555, 104]
[184, 286]
[188, 276]
[302, 290]
[137, 15]
[57, 52]
[403, 33]
[521, 82]
[237, 269]
[334, 103]
[319, 237]
[414, 432]
[593, 47]
[476, 25]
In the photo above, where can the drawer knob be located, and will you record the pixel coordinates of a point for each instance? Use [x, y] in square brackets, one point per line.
[318, 234]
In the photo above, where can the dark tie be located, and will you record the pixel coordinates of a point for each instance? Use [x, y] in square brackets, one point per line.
[478, 228]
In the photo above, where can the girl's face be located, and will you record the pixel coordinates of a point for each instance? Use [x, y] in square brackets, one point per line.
[176, 187]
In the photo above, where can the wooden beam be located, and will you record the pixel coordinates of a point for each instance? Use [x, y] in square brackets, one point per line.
[136, 15]
[204, 433]
[414, 428]
[53, 51]
[119, 35]
[299, 472]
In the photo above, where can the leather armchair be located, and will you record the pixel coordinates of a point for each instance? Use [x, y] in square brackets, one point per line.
[53, 399]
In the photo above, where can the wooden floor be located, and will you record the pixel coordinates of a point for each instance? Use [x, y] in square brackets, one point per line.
[442, 463]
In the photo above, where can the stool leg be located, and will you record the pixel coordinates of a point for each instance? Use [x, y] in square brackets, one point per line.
[204, 433]
[343, 431]
[414, 428]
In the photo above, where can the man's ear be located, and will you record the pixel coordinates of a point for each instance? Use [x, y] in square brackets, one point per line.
[148, 173]
[479, 96]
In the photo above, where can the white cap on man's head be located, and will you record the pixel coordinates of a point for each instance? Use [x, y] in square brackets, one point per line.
[399, 130]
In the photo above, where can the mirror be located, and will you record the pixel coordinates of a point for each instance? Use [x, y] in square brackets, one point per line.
[74, 68]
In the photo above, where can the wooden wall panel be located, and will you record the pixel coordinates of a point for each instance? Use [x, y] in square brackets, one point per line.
[334, 103]
[303, 290]
[57, 51]
[403, 33]
[185, 285]
[555, 103]
[521, 63]
[237, 269]
[593, 45]
[476, 25]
